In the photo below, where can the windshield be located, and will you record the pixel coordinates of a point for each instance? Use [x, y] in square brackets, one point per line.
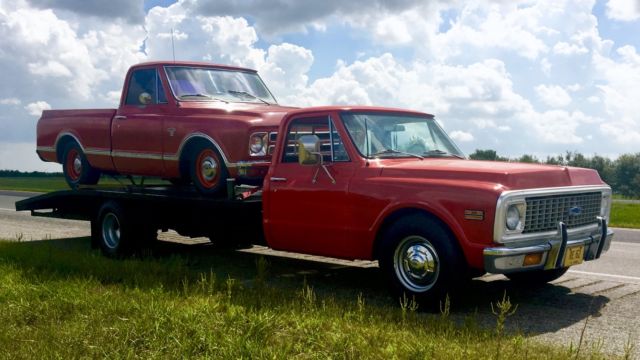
[393, 135]
[205, 84]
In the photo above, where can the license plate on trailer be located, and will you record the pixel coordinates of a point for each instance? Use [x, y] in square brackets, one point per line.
[574, 256]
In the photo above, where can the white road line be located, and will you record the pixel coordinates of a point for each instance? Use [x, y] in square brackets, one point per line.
[624, 277]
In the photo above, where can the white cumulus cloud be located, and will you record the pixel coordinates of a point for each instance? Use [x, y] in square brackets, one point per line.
[553, 95]
[461, 136]
[36, 108]
[623, 10]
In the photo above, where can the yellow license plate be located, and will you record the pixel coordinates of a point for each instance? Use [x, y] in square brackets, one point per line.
[573, 256]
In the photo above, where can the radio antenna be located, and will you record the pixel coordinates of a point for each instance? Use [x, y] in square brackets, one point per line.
[173, 47]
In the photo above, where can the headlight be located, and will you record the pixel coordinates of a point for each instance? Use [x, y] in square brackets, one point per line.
[513, 217]
[257, 144]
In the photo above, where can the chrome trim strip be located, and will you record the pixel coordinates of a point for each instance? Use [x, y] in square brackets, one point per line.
[100, 152]
[124, 154]
[45, 148]
[510, 196]
[176, 156]
[249, 163]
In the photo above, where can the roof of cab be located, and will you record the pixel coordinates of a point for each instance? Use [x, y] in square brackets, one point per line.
[192, 63]
[360, 109]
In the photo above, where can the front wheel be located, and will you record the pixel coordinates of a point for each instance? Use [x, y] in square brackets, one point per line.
[537, 277]
[207, 170]
[421, 259]
[77, 170]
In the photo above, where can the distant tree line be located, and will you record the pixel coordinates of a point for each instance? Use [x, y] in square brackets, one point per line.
[622, 174]
[18, 174]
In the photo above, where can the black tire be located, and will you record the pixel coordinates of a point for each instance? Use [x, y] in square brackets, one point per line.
[536, 277]
[207, 169]
[438, 264]
[117, 232]
[77, 170]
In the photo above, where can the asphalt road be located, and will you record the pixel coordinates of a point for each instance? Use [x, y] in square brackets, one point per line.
[598, 297]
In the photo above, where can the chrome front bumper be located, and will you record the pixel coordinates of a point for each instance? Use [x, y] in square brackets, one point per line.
[508, 259]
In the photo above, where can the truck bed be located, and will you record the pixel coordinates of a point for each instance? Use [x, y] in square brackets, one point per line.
[90, 127]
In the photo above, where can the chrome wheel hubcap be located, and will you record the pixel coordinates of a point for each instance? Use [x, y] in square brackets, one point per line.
[416, 263]
[209, 168]
[111, 230]
[77, 164]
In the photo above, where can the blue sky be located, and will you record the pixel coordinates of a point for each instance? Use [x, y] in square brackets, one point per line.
[536, 77]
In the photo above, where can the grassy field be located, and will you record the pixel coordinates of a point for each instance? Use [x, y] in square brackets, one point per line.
[625, 215]
[59, 299]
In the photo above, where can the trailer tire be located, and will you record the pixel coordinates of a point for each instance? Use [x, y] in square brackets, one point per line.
[118, 235]
[76, 168]
[207, 170]
[421, 260]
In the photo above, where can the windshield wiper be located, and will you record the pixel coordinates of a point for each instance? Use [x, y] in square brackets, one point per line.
[392, 151]
[199, 95]
[439, 152]
[235, 92]
[196, 95]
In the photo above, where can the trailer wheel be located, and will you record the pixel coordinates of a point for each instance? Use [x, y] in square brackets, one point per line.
[76, 168]
[117, 235]
[537, 277]
[207, 170]
[421, 259]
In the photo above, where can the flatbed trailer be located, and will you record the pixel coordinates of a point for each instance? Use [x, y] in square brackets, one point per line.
[124, 219]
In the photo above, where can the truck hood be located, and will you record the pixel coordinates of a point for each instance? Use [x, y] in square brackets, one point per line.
[255, 114]
[510, 176]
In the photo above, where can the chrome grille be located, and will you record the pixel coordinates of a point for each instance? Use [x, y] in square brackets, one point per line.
[575, 210]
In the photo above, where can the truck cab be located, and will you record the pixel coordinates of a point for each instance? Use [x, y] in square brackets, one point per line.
[390, 185]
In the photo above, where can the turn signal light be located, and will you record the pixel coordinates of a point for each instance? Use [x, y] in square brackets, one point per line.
[532, 259]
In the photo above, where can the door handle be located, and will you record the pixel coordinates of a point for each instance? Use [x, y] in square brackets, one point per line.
[278, 179]
[119, 117]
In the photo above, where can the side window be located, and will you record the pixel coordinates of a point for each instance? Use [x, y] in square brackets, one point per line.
[331, 145]
[142, 81]
[337, 148]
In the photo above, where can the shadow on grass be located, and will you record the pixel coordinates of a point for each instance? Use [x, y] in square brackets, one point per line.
[541, 309]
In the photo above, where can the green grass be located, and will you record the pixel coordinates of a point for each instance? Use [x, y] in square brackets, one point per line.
[625, 215]
[53, 183]
[59, 299]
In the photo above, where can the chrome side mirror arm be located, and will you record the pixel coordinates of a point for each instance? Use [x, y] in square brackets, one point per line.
[324, 167]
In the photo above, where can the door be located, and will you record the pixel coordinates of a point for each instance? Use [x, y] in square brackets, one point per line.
[136, 130]
[309, 208]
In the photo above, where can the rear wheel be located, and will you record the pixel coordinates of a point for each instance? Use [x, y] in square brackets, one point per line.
[77, 170]
[207, 170]
[421, 259]
[537, 277]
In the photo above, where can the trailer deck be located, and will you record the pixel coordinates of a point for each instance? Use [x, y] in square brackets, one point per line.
[159, 208]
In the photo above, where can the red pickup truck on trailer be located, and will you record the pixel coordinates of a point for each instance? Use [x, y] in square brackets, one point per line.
[376, 183]
[183, 121]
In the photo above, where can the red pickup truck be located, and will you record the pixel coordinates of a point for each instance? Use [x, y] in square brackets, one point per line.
[379, 184]
[183, 121]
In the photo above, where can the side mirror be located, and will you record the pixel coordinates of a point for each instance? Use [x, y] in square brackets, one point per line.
[145, 98]
[309, 150]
